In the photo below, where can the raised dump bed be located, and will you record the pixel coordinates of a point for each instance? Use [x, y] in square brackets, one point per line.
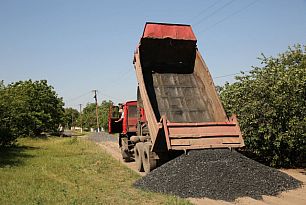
[183, 110]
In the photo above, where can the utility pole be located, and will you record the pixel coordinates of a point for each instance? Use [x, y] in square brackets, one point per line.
[81, 118]
[71, 122]
[96, 98]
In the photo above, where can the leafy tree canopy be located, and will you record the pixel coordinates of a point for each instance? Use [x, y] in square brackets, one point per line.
[30, 108]
[270, 102]
[71, 116]
[104, 109]
[89, 115]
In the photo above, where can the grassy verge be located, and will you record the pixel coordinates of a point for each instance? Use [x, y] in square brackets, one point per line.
[68, 171]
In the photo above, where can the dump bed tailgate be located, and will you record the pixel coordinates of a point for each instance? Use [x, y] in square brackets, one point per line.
[187, 136]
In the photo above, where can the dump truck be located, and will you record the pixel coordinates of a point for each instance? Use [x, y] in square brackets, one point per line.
[178, 107]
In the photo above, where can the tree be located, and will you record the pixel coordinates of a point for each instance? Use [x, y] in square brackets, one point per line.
[71, 117]
[270, 103]
[31, 108]
[89, 115]
[103, 113]
[6, 136]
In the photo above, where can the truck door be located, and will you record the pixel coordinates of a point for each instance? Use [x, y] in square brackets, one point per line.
[113, 116]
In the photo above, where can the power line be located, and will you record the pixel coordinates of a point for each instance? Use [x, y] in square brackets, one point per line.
[125, 73]
[231, 15]
[228, 75]
[76, 98]
[223, 76]
[213, 13]
[95, 96]
[201, 12]
[112, 97]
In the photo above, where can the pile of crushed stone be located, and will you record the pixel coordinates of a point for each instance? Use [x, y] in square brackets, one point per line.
[219, 174]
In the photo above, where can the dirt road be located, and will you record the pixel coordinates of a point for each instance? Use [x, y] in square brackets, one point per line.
[294, 197]
[110, 144]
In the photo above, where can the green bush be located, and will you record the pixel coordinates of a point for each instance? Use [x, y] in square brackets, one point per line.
[270, 102]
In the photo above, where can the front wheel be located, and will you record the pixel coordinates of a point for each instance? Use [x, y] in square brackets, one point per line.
[124, 147]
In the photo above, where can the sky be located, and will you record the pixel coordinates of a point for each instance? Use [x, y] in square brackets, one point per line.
[80, 46]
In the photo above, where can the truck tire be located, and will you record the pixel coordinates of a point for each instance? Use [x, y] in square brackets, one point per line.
[138, 156]
[149, 163]
[125, 155]
[125, 149]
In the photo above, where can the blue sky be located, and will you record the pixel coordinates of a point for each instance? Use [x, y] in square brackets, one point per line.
[79, 46]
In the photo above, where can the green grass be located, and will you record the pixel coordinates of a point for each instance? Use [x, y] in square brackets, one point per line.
[68, 171]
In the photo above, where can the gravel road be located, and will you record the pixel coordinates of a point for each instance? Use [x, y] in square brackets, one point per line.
[101, 137]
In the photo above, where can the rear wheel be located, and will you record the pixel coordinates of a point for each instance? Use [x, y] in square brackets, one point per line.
[138, 156]
[149, 162]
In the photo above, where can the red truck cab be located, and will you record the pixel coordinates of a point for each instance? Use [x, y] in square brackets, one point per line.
[126, 126]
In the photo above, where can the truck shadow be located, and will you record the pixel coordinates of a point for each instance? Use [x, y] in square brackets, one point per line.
[14, 156]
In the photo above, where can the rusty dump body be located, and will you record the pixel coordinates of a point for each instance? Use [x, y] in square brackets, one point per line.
[182, 108]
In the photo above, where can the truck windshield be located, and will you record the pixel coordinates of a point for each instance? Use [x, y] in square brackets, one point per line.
[132, 113]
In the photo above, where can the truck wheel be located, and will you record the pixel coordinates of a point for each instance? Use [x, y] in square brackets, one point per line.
[125, 155]
[138, 156]
[149, 163]
[125, 150]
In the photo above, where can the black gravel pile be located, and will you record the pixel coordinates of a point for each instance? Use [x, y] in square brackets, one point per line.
[219, 174]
